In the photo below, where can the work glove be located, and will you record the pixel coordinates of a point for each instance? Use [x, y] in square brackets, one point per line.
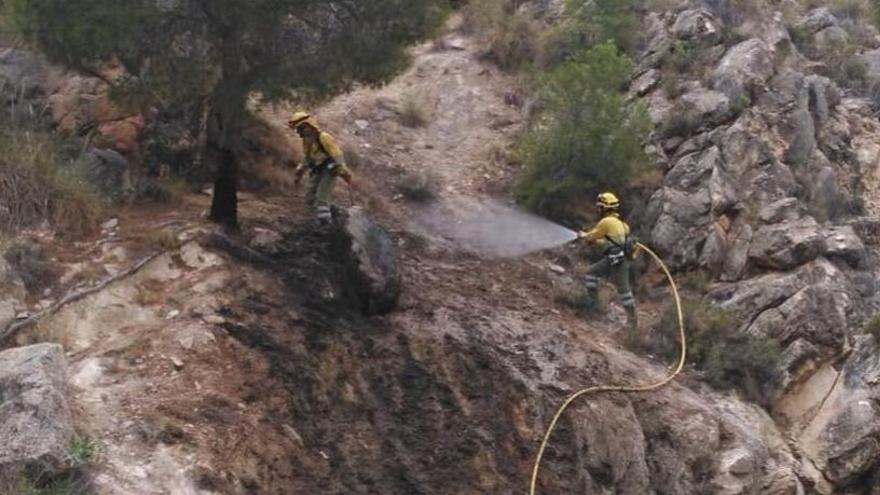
[582, 235]
[300, 171]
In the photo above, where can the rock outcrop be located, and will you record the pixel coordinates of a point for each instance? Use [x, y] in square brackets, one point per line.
[771, 200]
[36, 425]
[371, 257]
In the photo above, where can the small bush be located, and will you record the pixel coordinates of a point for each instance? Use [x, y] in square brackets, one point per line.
[587, 136]
[872, 327]
[414, 112]
[82, 450]
[515, 43]
[725, 357]
[30, 263]
[599, 21]
[418, 186]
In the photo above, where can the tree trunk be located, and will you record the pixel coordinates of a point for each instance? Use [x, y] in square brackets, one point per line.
[224, 133]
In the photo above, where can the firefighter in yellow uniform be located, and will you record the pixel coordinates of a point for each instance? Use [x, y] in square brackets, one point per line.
[612, 235]
[324, 162]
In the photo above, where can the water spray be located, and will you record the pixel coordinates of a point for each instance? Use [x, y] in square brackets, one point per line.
[492, 229]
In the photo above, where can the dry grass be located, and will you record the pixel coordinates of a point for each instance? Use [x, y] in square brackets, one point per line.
[415, 111]
[418, 186]
[37, 184]
[161, 239]
[513, 40]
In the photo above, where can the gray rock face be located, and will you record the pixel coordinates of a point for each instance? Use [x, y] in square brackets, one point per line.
[841, 438]
[743, 70]
[696, 24]
[816, 20]
[373, 266]
[843, 243]
[646, 83]
[707, 105]
[816, 302]
[787, 209]
[825, 197]
[680, 224]
[787, 245]
[36, 426]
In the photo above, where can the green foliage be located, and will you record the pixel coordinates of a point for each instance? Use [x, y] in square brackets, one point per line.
[220, 53]
[187, 47]
[587, 137]
[596, 22]
[725, 357]
[81, 451]
[40, 180]
[872, 327]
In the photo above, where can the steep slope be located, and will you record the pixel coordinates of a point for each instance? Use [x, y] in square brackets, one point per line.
[205, 374]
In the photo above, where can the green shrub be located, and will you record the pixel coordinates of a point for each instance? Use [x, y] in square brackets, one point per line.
[872, 327]
[598, 21]
[725, 357]
[587, 137]
[39, 182]
[81, 451]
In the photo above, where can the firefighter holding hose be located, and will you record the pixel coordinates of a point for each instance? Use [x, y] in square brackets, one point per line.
[613, 236]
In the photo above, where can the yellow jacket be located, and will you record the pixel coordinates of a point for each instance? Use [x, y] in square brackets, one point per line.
[321, 150]
[609, 227]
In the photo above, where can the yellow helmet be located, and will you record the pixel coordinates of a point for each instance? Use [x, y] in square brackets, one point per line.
[608, 201]
[302, 118]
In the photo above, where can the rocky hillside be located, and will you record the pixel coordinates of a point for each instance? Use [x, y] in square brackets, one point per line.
[769, 143]
[199, 364]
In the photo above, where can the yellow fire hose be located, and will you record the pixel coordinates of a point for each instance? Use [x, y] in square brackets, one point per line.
[619, 388]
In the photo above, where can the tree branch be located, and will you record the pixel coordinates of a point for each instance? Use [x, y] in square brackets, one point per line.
[73, 297]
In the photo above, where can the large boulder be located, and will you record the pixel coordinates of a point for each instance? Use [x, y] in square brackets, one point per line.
[743, 71]
[706, 106]
[36, 425]
[372, 261]
[843, 243]
[787, 245]
[816, 20]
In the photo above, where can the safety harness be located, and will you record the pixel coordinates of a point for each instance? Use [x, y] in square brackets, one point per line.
[616, 253]
[329, 163]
